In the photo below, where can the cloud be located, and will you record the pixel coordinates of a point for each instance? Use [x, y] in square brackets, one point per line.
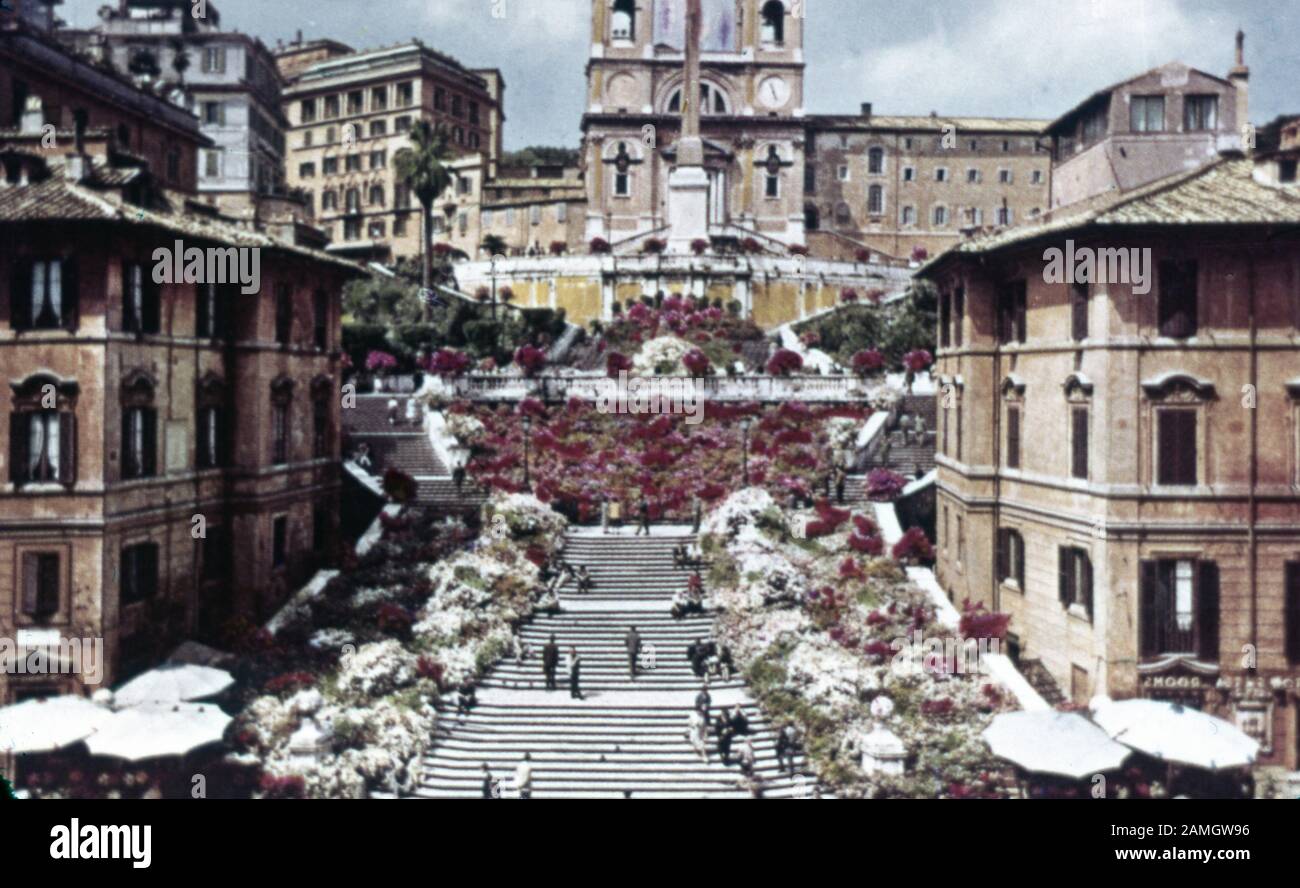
[1009, 54]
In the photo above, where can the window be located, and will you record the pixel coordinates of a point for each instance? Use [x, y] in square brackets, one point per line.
[1079, 442]
[1286, 172]
[141, 298]
[941, 174]
[1176, 446]
[378, 160]
[214, 60]
[771, 185]
[1179, 608]
[909, 174]
[376, 195]
[375, 229]
[842, 172]
[378, 128]
[40, 585]
[281, 400]
[1011, 557]
[1011, 312]
[214, 113]
[331, 107]
[1036, 177]
[329, 200]
[1177, 302]
[1004, 216]
[405, 95]
[875, 200]
[1079, 312]
[44, 295]
[561, 212]
[712, 100]
[622, 184]
[139, 442]
[945, 319]
[1074, 584]
[352, 163]
[973, 177]
[215, 548]
[1013, 437]
[283, 313]
[534, 215]
[623, 22]
[1147, 114]
[352, 200]
[306, 170]
[462, 222]
[329, 166]
[356, 102]
[307, 111]
[211, 164]
[773, 23]
[958, 315]
[321, 319]
[139, 573]
[279, 540]
[908, 216]
[379, 98]
[975, 215]
[473, 113]
[473, 140]
[940, 216]
[876, 160]
[321, 420]
[399, 225]
[1292, 612]
[1200, 113]
[42, 443]
[352, 229]
[210, 422]
[1004, 177]
[439, 99]
[307, 138]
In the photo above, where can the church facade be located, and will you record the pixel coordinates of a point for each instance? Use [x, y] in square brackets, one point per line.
[836, 184]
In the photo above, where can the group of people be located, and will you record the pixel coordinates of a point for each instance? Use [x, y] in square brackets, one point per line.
[572, 664]
[710, 658]
[687, 557]
[523, 780]
[611, 515]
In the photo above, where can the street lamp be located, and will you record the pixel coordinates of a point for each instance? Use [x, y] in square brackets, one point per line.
[528, 433]
[745, 425]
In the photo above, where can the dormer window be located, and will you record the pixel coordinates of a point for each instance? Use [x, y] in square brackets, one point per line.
[1200, 113]
[1147, 114]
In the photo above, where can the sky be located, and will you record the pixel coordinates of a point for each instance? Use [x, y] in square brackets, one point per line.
[1001, 58]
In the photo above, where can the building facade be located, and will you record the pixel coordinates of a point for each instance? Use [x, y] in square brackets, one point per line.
[1119, 451]
[170, 448]
[228, 79]
[350, 115]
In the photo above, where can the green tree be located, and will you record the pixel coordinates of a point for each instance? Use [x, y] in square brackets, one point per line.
[424, 167]
[494, 245]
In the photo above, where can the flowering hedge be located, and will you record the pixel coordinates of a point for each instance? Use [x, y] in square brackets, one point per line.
[380, 362]
[784, 362]
[835, 641]
[578, 454]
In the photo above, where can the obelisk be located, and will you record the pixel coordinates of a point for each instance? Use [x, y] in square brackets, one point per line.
[688, 183]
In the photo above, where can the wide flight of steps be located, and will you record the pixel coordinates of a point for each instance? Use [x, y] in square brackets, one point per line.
[626, 737]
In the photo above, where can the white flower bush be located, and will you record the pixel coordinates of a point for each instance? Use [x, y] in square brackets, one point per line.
[661, 356]
[466, 429]
[843, 432]
[376, 670]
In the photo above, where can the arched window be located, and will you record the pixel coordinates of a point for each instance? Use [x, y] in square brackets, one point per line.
[377, 195]
[875, 200]
[281, 402]
[139, 427]
[774, 22]
[623, 22]
[876, 160]
[210, 399]
[322, 389]
[712, 100]
[353, 201]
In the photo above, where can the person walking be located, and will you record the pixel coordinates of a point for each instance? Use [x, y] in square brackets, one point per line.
[604, 514]
[840, 478]
[633, 643]
[697, 513]
[458, 478]
[748, 758]
[644, 512]
[787, 747]
[550, 661]
[725, 735]
[524, 777]
[697, 734]
[574, 664]
[491, 788]
[703, 700]
[616, 514]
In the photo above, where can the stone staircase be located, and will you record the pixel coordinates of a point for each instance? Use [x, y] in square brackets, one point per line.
[627, 737]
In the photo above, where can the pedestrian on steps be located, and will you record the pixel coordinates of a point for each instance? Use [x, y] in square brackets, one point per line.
[458, 478]
[840, 478]
[604, 514]
[491, 787]
[725, 735]
[697, 513]
[697, 734]
[633, 643]
[702, 702]
[550, 661]
[524, 777]
[574, 663]
[644, 512]
[748, 758]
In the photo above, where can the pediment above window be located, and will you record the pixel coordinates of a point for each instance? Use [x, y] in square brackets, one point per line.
[1013, 386]
[1077, 384]
[138, 386]
[1178, 387]
[33, 386]
[1293, 388]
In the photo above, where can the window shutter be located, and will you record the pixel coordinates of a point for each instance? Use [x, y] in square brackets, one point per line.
[1019, 549]
[1079, 443]
[67, 448]
[149, 459]
[71, 295]
[129, 456]
[20, 295]
[1085, 577]
[152, 320]
[1148, 610]
[1013, 438]
[31, 582]
[1079, 312]
[47, 604]
[19, 446]
[1063, 576]
[1293, 612]
[1207, 612]
[204, 327]
[945, 319]
[1176, 447]
[1003, 541]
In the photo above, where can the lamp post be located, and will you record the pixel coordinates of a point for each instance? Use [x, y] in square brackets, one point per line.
[744, 431]
[528, 433]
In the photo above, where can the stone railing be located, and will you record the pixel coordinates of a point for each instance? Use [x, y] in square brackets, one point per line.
[487, 387]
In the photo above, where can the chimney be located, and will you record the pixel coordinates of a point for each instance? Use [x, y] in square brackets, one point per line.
[866, 110]
[79, 131]
[33, 119]
[1239, 76]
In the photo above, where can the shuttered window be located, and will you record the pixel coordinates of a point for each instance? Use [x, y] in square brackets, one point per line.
[40, 585]
[1011, 557]
[139, 573]
[1177, 300]
[1292, 611]
[141, 300]
[42, 447]
[139, 442]
[1176, 447]
[1079, 442]
[44, 295]
[1012, 311]
[1013, 437]
[1079, 312]
[1074, 583]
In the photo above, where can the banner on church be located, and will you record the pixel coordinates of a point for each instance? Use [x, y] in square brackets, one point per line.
[717, 24]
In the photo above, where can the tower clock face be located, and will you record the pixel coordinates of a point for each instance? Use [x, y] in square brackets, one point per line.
[773, 92]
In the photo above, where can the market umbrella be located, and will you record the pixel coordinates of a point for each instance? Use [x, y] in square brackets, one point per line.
[172, 683]
[1051, 742]
[151, 730]
[1176, 733]
[49, 724]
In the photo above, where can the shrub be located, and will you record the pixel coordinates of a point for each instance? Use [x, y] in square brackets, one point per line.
[380, 362]
[617, 362]
[530, 359]
[699, 246]
[750, 245]
[918, 360]
[884, 485]
[868, 361]
[848, 295]
[599, 246]
[784, 363]
[977, 623]
[914, 546]
[447, 362]
[798, 250]
[920, 254]
[696, 362]
[559, 248]
[653, 246]
[862, 255]
[399, 486]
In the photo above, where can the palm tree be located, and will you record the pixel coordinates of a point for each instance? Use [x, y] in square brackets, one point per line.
[423, 167]
[494, 245]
